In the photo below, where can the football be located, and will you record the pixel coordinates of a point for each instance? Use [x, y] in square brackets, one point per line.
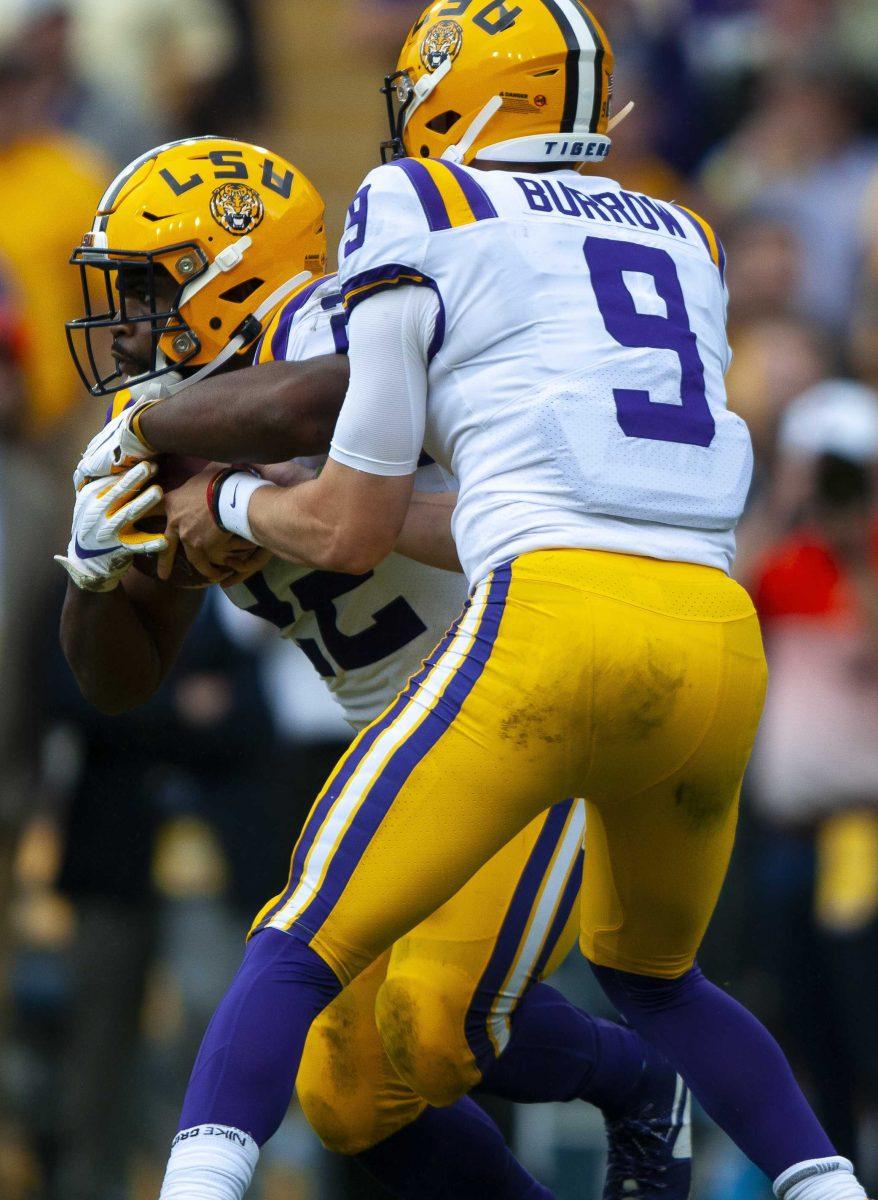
[173, 471]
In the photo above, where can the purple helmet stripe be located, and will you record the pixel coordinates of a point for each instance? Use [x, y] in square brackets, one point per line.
[571, 93]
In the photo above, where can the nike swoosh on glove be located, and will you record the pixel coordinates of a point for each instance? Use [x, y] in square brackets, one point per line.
[104, 539]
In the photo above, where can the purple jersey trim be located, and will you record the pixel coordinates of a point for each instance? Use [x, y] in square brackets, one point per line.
[477, 198]
[282, 333]
[338, 323]
[720, 248]
[427, 192]
[384, 279]
[702, 235]
[722, 258]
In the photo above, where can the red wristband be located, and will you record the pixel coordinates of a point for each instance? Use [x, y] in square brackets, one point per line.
[213, 490]
[215, 484]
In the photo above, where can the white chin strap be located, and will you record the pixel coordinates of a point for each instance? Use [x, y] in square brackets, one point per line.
[459, 151]
[238, 342]
[538, 148]
[427, 85]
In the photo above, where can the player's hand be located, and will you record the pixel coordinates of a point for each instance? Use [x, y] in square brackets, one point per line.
[246, 562]
[104, 540]
[119, 446]
[215, 554]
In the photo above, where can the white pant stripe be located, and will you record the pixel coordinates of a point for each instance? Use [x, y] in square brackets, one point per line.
[357, 787]
[543, 916]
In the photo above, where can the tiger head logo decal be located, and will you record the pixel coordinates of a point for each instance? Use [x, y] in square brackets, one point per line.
[443, 41]
[237, 208]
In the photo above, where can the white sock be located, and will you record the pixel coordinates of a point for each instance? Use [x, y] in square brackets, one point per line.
[210, 1162]
[819, 1179]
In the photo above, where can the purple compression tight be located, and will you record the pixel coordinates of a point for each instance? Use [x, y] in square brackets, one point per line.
[731, 1062]
[246, 1069]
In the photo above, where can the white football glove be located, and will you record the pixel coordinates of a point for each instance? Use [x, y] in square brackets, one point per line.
[119, 446]
[104, 540]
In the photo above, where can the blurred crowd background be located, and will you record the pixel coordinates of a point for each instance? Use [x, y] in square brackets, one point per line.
[133, 851]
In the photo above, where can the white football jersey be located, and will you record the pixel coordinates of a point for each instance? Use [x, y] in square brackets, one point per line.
[365, 634]
[576, 365]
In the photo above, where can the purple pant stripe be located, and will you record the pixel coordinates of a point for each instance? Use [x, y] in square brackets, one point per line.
[344, 771]
[511, 933]
[403, 761]
[568, 899]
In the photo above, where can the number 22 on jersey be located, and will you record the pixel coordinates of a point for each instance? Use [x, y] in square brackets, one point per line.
[392, 627]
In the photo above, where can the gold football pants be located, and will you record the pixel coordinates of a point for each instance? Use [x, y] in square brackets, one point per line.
[426, 1019]
[634, 682]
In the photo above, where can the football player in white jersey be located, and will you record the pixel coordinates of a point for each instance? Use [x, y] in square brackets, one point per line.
[459, 1002]
[558, 344]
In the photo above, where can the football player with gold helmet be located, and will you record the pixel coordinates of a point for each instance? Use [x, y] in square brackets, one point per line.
[186, 276]
[559, 344]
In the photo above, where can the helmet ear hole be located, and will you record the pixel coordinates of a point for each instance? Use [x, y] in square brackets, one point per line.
[239, 293]
[425, 151]
[444, 122]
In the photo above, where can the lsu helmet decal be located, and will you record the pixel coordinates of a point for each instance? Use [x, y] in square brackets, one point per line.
[524, 82]
[228, 229]
[443, 41]
[237, 208]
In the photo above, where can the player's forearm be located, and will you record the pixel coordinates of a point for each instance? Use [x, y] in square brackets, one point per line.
[263, 414]
[426, 534]
[115, 662]
[292, 525]
[117, 652]
[345, 520]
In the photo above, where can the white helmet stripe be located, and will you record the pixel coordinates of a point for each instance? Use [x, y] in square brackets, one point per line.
[591, 53]
[109, 197]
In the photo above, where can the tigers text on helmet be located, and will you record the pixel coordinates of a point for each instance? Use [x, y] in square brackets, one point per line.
[524, 81]
[236, 228]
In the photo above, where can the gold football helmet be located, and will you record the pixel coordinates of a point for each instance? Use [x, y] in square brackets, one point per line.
[523, 81]
[237, 228]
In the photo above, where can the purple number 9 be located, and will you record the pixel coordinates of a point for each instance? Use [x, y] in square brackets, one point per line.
[691, 421]
[358, 215]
